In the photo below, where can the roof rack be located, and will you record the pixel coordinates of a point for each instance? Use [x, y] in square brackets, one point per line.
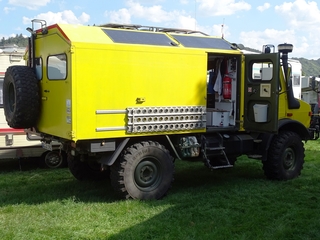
[151, 29]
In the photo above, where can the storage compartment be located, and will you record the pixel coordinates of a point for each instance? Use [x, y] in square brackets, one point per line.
[217, 118]
[260, 112]
[238, 144]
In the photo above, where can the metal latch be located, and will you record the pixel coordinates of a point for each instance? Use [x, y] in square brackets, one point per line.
[9, 139]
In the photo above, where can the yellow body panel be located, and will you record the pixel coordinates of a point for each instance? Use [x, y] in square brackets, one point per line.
[114, 77]
[103, 76]
[107, 80]
[54, 92]
[301, 115]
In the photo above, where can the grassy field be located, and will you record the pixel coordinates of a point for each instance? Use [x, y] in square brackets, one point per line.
[237, 203]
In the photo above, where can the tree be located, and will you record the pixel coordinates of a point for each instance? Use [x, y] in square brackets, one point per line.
[18, 40]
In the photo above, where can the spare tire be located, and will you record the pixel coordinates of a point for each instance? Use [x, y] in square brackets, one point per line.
[21, 98]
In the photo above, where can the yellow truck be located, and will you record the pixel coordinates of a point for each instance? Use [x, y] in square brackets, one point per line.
[125, 101]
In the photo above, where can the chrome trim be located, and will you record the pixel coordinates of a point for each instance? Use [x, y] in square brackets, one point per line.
[110, 111]
[104, 129]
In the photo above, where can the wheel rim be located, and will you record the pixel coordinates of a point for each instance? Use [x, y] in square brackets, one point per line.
[11, 98]
[53, 160]
[148, 174]
[289, 159]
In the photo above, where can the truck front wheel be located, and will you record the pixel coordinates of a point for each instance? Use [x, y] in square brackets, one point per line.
[144, 171]
[285, 157]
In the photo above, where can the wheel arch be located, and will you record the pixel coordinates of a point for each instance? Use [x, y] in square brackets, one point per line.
[124, 143]
[294, 126]
[284, 125]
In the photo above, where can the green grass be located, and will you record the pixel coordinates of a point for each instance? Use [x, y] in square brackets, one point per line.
[237, 203]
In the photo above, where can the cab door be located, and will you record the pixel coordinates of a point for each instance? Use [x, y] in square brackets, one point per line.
[261, 92]
[53, 69]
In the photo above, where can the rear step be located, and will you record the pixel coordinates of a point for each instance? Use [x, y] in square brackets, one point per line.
[217, 150]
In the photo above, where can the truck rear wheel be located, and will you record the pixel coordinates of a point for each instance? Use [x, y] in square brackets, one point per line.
[144, 171]
[21, 97]
[285, 158]
[86, 170]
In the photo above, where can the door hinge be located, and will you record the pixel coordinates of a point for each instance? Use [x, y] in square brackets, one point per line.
[71, 50]
[72, 134]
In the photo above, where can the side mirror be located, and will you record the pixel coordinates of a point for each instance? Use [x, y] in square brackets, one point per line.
[313, 83]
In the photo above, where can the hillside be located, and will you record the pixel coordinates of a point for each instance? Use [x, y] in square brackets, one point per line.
[18, 40]
[310, 67]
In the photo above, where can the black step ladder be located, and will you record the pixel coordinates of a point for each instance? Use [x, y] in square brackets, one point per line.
[216, 150]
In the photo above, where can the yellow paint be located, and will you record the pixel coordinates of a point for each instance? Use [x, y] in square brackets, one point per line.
[300, 115]
[107, 76]
[103, 75]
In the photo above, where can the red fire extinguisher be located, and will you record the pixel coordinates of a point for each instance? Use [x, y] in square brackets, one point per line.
[227, 87]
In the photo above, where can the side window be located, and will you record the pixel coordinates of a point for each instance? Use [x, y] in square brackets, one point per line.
[262, 71]
[57, 67]
[296, 80]
[39, 68]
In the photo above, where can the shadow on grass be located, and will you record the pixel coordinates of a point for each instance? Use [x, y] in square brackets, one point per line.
[33, 185]
[22, 164]
[238, 203]
[235, 203]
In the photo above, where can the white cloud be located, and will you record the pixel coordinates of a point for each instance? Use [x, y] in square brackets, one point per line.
[301, 44]
[300, 14]
[222, 8]
[30, 4]
[304, 17]
[120, 16]
[154, 14]
[60, 17]
[256, 39]
[186, 22]
[264, 7]
[8, 9]
[184, 2]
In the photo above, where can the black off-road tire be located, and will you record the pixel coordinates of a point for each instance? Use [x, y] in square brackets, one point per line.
[54, 159]
[144, 171]
[21, 97]
[86, 170]
[285, 157]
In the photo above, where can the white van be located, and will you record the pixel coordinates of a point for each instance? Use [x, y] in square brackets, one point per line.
[15, 143]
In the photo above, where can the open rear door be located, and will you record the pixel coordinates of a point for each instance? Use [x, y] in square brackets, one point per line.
[261, 94]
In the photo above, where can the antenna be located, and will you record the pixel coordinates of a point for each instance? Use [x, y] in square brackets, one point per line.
[222, 29]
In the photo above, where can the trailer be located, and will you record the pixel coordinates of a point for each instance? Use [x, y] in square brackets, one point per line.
[16, 143]
[127, 101]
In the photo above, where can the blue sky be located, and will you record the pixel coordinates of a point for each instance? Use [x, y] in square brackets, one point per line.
[251, 22]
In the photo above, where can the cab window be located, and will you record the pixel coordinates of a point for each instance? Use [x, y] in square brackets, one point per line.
[57, 67]
[262, 71]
